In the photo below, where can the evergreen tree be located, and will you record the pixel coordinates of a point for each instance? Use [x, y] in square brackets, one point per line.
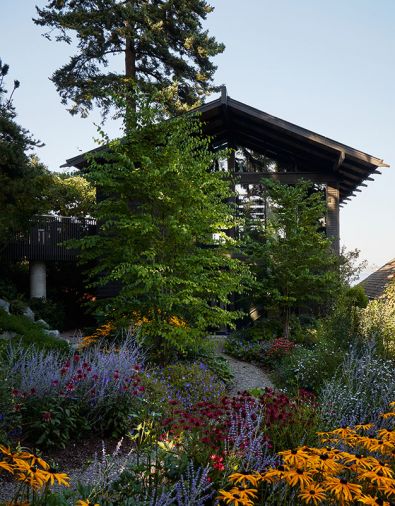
[162, 235]
[22, 176]
[295, 266]
[162, 42]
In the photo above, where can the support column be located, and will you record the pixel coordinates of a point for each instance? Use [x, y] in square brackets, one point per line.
[332, 217]
[38, 280]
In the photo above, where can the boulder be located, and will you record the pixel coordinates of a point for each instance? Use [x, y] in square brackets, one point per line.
[28, 313]
[5, 306]
[43, 324]
[7, 334]
[52, 333]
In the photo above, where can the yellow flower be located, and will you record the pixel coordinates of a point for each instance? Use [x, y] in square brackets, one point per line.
[31, 475]
[85, 502]
[51, 476]
[298, 477]
[342, 489]
[236, 496]
[382, 468]
[364, 426]
[273, 475]
[358, 461]
[6, 467]
[295, 458]
[388, 415]
[379, 479]
[372, 501]
[242, 479]
[313, 494]
[323, 461]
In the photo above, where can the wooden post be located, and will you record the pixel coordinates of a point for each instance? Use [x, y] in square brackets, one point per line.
[332, 216]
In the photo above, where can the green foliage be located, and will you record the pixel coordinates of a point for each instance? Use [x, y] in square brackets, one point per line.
[356, 297]
[48, 310]
[164, 46]
[9, 418]
[244, 349]
[51, 422]
[308, 367]
[29, 333]
[162, 234]
[377, 322]
[191, 383]
[22, 177]
[295, 267]
[70, 195]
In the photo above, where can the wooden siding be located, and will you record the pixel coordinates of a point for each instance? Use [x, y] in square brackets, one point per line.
[45, 240]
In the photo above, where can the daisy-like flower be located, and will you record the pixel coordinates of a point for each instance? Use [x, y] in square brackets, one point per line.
[296, 458]
[323, 461]
[243, 479]
[313, 494]
[298, 477]
[387, 435]
[32, 475]
[363, 426]
[358, 461]
[377, 445]
[51, 476]
[85, 502]
[373, 501]
[378, 479]
[273, 475]
[343, 432]
[7, 467]
[342, 489]
[391, 414]
[382, 468]
[238, 497]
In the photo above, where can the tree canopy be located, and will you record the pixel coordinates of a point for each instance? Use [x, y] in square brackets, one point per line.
[295, 267]
[163, 44]
[22, 176]
[162, 237]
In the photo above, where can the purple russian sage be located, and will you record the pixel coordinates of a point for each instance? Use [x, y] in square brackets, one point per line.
[246, 440]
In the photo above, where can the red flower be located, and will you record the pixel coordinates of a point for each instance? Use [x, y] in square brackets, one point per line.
[46, 416]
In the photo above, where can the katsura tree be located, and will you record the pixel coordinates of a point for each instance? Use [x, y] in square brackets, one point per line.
[296, 268]
[157, 45]
[22, 176]
[70, 194]
[163, 215]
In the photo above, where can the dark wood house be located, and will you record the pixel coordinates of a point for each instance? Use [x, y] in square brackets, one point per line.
[264, 146]
[295, 152]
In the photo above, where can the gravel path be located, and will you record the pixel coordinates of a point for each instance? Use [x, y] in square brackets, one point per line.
[247, 376]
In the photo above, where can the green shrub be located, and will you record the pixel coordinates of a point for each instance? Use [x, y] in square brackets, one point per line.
[53, 421]
[9, 418]
[308, 367]
[247, 350]
[52, 312]
[29, 333]
[190, 383]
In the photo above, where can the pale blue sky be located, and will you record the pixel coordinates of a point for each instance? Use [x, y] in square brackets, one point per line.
[326, 65]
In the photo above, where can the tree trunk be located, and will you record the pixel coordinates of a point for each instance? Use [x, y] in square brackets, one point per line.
[130, 73]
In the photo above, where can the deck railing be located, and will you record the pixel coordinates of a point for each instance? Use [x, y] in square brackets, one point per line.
[45, 240]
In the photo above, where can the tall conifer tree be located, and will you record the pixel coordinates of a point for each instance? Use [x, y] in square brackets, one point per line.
[156, 45]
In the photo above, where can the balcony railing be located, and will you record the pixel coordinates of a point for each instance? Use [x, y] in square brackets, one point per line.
[45, 240]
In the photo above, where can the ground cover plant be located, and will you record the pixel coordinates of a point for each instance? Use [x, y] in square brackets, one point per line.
[29, 333]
